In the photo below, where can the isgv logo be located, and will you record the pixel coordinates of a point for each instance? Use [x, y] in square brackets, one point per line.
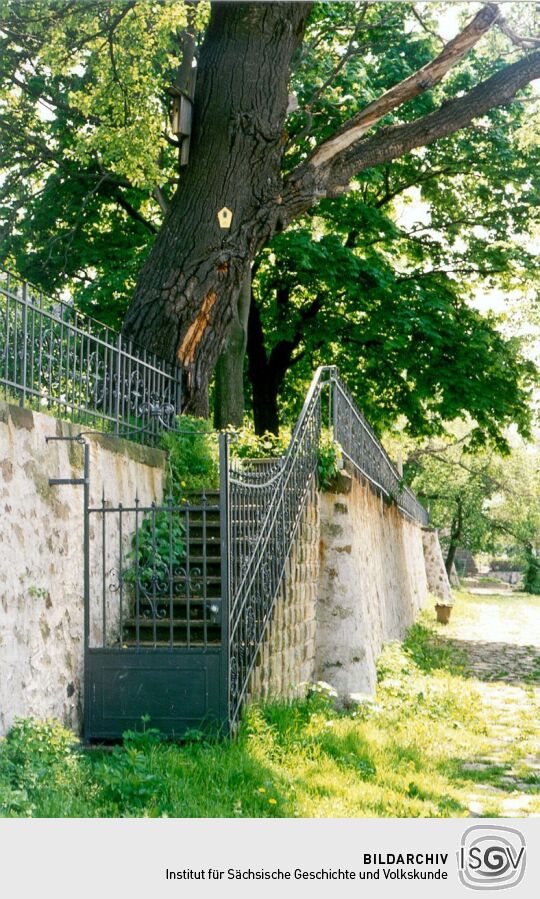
[491, 857]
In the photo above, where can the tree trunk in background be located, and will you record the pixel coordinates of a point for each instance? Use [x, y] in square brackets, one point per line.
[264, 385]
[184, 301]
[229, 396]
[456, 530]
[450, 558]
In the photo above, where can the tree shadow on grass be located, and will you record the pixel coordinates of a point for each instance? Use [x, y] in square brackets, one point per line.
[479, 775]
[483, 660]
[430, 652]
[491, 661]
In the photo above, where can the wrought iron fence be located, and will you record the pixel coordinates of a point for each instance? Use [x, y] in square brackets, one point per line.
[54, 358]
[178, 596]
[262, 510]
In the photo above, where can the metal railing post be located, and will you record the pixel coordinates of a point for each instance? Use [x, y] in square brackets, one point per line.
[225, 545]
[24, 341]
[178, 390]
[333, 392]
[118, 382]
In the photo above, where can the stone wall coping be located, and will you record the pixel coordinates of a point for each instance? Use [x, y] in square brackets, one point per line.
[138, 452]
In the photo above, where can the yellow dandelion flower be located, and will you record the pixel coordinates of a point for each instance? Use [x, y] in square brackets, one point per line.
[272, 801]
[262, 790]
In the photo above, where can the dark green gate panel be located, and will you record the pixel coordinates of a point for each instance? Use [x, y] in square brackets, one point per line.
[179, 690]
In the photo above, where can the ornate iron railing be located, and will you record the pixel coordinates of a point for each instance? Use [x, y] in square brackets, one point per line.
[53, 358]
[363, 449]
[261, 511]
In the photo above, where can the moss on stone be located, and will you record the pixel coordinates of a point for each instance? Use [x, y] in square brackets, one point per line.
[137, 452]
[21, 418]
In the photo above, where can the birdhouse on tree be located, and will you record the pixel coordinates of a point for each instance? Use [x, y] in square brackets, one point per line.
[182, 111]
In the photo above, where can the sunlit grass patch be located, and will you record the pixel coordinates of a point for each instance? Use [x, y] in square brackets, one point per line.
[427, 745]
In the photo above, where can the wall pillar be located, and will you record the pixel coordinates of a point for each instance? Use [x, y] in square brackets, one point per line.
[437, 578]
[372, 583]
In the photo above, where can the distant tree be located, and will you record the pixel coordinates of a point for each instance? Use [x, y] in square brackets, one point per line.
[457, 486]
[516, 514]
[481, 500]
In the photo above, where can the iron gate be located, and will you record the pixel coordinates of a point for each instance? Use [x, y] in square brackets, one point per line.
[156, 617]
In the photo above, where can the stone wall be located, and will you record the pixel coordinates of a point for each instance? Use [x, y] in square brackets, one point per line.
[437, 578]
[372, 583]
[41, 555]
[356, 579]
[286, 661]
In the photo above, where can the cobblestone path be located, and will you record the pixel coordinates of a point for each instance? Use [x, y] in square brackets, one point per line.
[499, 641]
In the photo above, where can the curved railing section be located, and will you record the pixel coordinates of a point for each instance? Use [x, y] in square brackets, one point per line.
[264, 508]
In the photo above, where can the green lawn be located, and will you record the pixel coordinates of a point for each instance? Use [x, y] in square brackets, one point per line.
[423, 748]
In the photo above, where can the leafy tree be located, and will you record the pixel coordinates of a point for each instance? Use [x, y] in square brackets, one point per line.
[89, 158]
[516, 512]
[481, 500]
[84, 154]
[408, 345]
[456, 485]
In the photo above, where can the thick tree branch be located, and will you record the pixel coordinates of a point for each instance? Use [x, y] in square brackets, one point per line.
[161, 199]
[309, 182]
[131, 211]
[424, 79]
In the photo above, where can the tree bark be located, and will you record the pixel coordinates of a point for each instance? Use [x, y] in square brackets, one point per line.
[229, 395]
[313, 180]
[450, 558]
[186, 293]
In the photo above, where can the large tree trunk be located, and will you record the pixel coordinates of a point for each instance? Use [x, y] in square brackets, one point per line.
[229, 395]
[186, 294]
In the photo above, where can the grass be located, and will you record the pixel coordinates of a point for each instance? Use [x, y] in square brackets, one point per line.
[422, 748]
